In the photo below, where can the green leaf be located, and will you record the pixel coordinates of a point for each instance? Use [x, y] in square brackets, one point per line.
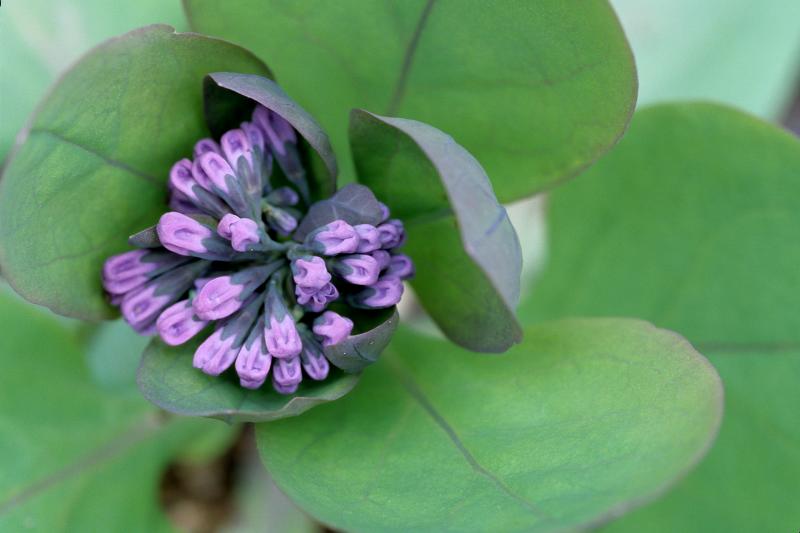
[723, 50]
[579, 423]
[373, 332]
[693, 223]
[167, 378]
[230, 99]
[41, 39]
[107, 132]
[75, 457]
[465, 250]
[535, 90]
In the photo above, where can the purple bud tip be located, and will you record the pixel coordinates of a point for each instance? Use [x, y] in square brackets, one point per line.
[177, 323]
[384, 211]
[287, 375]
[215, 354]
[316, 299]
[236, 144]
[358, 269]
[280, 219]
[310, 272]
[218, 298]
[385, 293]
[217, 170]
[332, 328]
[392, 234]
[338, 237]
[181, 234]
[281, 337]
[382, 257]
[368, 238]
[204, 146]
[124, 272]
[314, 362]
[254, 135]
[140, 307]
[244, 234]
[400, 266]
[181, 178]
[252, 363]
[283, 197]
[224, 226]
[277, 130]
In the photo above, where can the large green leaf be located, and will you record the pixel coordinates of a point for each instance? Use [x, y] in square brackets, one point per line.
[723, 50]
[693, 223]
[582, 421]
[167, 378]
[535, 90]
[41, 38]
[75, 457]
[108, 132]
[465, 250]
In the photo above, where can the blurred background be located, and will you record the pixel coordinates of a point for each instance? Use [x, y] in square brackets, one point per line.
[740, 52]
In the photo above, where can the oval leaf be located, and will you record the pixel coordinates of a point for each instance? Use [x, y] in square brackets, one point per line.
[536, 91]
[230, 99]
[583, 420]
[465, 250]
[693, 223]
[77, 456]
[359, 351]
[107, 133]
[167, 378]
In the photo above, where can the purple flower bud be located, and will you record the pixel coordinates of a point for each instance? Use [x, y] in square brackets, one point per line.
[224, 226]
[338, 237]
[313, 360]
[218, 171]
[126, 271]
[368, 238]
[218, 298]
[280, 332]
[385, 293]
[254, 135]
[182, 235]
[216, 353]
[140, 307]
[178, 323]
[287, 375]
[204, 146]
[316, 299]
[245, 234]
[283, 197]
[392, 234]
[181, 178]
[332, 328]
[382, 257]
[400, 266]
[281, 337]
[310, 272]
[253, 361]
[281, 220]
[236, 144]
[358, 269]
[278, 131]
[200, 175]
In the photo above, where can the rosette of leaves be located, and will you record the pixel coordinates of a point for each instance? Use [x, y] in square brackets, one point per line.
[580, 421]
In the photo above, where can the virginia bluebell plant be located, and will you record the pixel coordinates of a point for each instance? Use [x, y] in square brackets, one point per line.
[229, 255]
